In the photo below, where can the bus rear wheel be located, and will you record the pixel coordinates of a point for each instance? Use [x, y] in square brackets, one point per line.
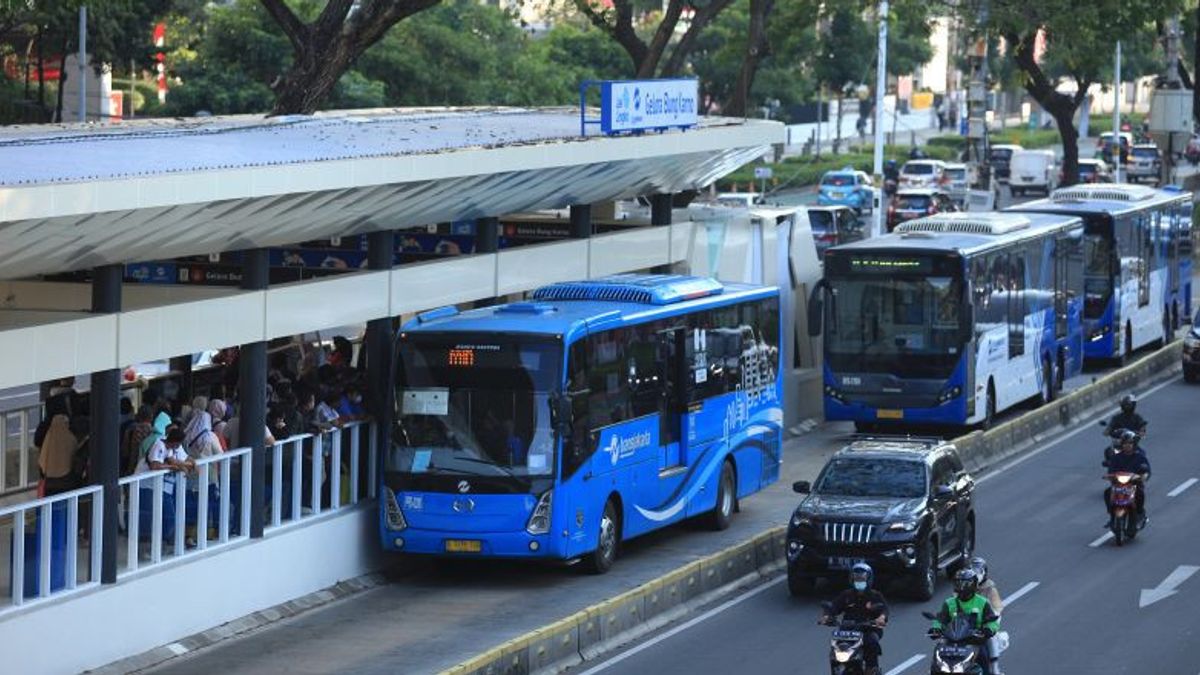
[719, 517]
[1048, 381]
[601, 560]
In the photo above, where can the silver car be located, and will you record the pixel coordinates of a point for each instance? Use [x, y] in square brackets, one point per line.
[1145, 163]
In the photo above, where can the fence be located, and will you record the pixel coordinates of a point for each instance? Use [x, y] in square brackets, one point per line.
[42, 541]
[18, 457]
[302, 482]
[161, 505]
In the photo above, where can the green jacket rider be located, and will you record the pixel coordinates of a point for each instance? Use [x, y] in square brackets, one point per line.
[967, 599]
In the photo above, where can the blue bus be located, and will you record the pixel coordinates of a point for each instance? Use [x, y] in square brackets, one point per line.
[1138, 262]
[595, 412]
[950, 319]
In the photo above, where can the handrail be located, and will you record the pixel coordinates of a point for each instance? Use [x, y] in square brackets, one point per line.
[44, 501]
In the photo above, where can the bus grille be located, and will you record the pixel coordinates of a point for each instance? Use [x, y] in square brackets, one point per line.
[848, 533]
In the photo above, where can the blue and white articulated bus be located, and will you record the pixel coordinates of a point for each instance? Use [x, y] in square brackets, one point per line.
[593, 413]
[1138, 262]
[950, 319]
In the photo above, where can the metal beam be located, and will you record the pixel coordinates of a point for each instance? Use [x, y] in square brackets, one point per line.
[660, 209]
[379, 346]
[581, 221]
[487, 235]
[252, 403]
[105, 445]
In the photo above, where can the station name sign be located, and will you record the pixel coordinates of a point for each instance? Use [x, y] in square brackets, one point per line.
[648, 105]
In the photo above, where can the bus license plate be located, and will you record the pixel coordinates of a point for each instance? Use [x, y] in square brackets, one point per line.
[463, 546]
[884, 414]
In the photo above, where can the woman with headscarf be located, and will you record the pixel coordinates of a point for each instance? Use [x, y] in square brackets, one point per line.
[156, 435]
[56, 457]
[217, 410]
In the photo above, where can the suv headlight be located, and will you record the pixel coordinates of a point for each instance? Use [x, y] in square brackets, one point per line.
[539, 522]
[799, 520]
[1191, 341]
[903, 526]
[392, 512]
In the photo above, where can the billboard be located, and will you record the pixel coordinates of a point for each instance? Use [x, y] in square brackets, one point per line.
[645, 105]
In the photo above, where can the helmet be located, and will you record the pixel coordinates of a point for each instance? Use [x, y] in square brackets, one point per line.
[966, 582]
[1129, 439]
[861, 576]
[1128, 403]
[891, 164]
[979, 564]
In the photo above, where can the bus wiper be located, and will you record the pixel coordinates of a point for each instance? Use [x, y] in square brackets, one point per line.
[505, 470]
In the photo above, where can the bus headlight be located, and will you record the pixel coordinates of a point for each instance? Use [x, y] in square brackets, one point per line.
[949, 394]
[1099, 333]
[834, 394]
[539, 522]
[391, 510]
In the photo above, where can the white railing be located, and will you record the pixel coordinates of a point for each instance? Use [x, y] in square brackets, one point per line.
[42, 538]
[315, 462]
[179, 502]
[18, 457]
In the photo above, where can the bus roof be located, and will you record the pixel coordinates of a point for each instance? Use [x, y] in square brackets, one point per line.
[961, 238]
[1101, 198]
[569, 308]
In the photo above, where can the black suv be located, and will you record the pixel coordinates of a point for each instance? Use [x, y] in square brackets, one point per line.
[903, 505]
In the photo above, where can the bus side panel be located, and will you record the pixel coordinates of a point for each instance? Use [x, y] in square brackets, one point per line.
[1072, 344]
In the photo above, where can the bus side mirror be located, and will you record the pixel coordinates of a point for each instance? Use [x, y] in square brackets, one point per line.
[560, 413]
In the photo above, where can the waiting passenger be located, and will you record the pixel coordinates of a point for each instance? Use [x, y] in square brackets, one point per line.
[56, 458]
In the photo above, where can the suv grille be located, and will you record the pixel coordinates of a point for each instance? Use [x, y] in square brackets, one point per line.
[848, 533]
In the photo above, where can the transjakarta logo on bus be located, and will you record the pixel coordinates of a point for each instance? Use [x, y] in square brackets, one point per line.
[619, 447]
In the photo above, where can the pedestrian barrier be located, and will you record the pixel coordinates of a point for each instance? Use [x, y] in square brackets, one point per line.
[43, 538]
[302, 482]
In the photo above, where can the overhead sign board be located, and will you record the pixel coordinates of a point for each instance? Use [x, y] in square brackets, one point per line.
[763, 172]
[648, 105]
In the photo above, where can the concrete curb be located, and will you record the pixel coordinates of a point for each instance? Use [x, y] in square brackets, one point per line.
[589, 633]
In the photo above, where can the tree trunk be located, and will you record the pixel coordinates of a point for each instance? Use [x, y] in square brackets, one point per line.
[302, 90]
[837, 139]
[62, 84]
[757, 49]
[1060, 106]
[1064, 115]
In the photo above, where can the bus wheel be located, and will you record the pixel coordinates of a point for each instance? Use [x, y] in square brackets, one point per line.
[718, 518]
[600, 560]
[990, 417]
[1048, 381]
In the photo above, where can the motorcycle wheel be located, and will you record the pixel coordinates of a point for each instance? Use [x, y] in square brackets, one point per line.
[1120, 526]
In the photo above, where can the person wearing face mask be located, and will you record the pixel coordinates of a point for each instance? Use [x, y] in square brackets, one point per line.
[865, 604]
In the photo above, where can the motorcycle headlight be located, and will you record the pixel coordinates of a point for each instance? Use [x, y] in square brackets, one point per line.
[539, 521]
[842, 657]
[903, 526]
[392, 513]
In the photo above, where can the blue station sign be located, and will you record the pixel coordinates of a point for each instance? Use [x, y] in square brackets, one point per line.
[635, 106]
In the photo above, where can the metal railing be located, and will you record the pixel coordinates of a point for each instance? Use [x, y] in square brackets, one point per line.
[43, 538]
[18, 457]
[173, 510]
[305, 475]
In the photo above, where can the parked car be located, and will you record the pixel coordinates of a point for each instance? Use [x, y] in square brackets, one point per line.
[846, 187]
[833, 226]
[1191, 351]
[1145, 163]
[1091, 171]
[923, 173]
[1104, 146]
[918, 202]
[957, 182]
[903, 505]
[999, 158]
[1033, 170]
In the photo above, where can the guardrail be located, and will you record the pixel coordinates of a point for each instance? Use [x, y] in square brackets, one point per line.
[165, 504]
[18, 457]
[301, 482]
[43, 540]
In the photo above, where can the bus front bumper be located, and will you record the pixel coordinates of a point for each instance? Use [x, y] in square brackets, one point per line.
[953, 411]
[465, 544]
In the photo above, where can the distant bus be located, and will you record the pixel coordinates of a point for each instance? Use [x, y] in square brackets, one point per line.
[596, 412]
[1138, 262]
[950, 319]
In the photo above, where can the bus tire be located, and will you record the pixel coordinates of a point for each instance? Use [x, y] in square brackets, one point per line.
[608, 539]
[989, 418]
[1048, 379]
[718, 519]
[1128, 343]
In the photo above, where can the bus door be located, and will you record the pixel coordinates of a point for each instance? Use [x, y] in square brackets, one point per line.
[1170, 235]
[671, 402]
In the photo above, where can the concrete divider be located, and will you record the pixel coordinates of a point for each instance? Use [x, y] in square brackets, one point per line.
[591, 632]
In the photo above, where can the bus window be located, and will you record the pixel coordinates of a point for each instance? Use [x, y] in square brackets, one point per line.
[576, 447]
[1016, 304]
[607, 369]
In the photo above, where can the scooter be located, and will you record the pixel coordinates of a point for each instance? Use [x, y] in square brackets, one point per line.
[959, 647]
[846, 655]
[1125, 523]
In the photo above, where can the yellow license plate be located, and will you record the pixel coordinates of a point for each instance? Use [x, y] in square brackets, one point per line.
[890, 414]
[463, 546]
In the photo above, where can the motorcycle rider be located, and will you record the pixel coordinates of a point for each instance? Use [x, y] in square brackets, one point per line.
[891, 176]
[865, 604]
[966, 599]
[1130, 459]
[989, 590]
[1127, 419]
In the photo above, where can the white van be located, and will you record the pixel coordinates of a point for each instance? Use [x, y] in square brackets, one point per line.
[1032, 170]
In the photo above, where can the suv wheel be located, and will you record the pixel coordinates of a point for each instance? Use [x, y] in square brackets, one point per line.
[965, 551]
[925, 578]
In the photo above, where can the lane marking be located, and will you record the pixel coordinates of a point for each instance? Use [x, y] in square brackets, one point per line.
[177, 649]
[912, 661]
[1183, 486]
[1166, 589]
[1100, 541]
[684, 626]
[1003, 468]
[1020, 593]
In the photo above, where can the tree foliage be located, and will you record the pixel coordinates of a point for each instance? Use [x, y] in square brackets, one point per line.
[656, 54]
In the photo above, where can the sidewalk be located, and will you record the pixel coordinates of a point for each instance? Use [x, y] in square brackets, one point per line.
[433, 614]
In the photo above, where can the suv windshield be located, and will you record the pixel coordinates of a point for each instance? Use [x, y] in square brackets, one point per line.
[917, 169]
[874, 477]
[1145, 152]
[956, 174]
[475, 406]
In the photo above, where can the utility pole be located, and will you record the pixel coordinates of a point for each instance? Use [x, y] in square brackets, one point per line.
[977, 133]
[880, 90]
[1116, 139]
[83, 63]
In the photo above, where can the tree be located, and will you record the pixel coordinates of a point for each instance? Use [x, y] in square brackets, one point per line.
[326, 47]
[617, 20]
[1077, 36]
[758, 48]
[847, 53]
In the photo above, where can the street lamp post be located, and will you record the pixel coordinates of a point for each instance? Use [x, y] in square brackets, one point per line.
[1116, 139]
[880, 90]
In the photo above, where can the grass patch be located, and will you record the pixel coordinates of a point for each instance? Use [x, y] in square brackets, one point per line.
[1098, 124]
[799, 171]
[1027, 138]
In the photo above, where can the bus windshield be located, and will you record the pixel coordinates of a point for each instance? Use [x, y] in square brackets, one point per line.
[909, 326]
[475, 406]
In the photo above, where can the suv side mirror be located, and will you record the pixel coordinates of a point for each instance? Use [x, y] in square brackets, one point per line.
[801, 487]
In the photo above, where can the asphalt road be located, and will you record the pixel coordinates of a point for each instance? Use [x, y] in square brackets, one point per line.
[1040, 526]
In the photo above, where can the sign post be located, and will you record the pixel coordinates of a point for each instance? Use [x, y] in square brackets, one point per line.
[763, 173]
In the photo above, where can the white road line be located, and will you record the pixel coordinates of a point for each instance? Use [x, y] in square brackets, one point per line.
[1100, 541]
[996, 471]
[177, 649]
[912, 661]
[1183, 486]
[684, 626]
[1020, 593]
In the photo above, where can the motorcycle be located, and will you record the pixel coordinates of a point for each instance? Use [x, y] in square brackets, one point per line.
[959, 647]
[1125, 486]
[889, 186]
[846, 647]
